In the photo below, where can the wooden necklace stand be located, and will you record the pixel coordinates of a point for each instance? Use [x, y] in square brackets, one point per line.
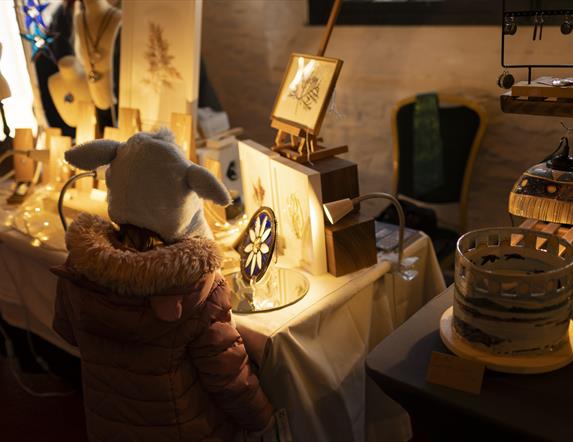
[298, 144]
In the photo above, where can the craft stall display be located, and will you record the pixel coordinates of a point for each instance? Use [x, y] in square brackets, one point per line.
[301, 257]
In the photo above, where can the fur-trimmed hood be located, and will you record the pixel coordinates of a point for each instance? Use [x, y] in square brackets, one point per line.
[96, 254]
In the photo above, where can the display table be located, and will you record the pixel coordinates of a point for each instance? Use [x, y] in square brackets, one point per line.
[510, 407]
[310, 355]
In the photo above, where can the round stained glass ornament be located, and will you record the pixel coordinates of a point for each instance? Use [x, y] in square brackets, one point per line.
[258, 245]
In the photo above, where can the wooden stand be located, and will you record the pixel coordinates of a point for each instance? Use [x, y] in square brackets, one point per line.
[23, 166]
[542, 106]
[47, 169]
[298, 145]
[565, 232]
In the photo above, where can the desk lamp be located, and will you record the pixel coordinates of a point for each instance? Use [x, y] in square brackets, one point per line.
[545, 191]
[336, 210]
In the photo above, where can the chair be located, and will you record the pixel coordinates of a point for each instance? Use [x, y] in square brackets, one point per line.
[462, 126]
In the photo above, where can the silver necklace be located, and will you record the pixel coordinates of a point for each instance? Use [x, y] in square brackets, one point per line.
[92, 45]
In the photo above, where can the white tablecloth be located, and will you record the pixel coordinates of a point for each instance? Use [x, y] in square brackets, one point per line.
[311, 354]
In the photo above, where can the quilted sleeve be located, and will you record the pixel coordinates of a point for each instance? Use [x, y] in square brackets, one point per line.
[223, 365]
[61, 323]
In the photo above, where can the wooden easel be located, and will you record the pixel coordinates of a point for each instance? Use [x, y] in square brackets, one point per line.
[298, 144]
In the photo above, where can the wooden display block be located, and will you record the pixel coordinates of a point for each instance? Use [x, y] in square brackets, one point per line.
[59, 169]
[23, 166]
[112, 133]
[129, 123]
[182, 127]
[86, 129]
[350, 244]
[46, 168]
[338, 178]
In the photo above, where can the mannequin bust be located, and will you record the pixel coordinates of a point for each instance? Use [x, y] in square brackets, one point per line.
[96, 26]
[68, 88]
[4, 87]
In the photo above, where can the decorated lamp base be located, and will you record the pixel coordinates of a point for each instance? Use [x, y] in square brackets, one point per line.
[279, 288]
[523, 364]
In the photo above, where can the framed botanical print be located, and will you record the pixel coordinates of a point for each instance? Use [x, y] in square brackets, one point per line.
[160, 50]
[306, 90]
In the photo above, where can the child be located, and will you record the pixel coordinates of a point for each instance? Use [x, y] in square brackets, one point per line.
[147, 306]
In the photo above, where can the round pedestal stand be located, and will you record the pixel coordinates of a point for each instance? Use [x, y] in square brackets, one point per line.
[280, 287]
[522, 364]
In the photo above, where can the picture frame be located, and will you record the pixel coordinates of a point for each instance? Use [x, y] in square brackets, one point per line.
[305, 92]
[159, 67]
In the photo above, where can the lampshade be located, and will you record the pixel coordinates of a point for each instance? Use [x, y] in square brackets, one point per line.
[545, 191]
[336, 210]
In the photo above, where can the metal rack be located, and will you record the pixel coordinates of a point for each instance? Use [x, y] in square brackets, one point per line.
[529, 13]
[532, 105]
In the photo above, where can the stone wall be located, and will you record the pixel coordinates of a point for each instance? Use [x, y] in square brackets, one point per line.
[246, 44]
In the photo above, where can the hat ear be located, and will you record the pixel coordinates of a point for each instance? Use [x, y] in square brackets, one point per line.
[93, 154]
[206, 185]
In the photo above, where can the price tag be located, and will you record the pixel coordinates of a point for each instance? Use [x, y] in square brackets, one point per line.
[454, 372]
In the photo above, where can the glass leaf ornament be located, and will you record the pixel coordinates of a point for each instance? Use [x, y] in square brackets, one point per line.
[258, 244]
[32, 10]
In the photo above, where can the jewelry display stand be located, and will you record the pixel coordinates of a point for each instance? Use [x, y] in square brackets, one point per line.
[526, 98]
[96, 26]
[68, 88]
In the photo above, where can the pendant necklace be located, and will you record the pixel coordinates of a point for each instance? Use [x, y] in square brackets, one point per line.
[92, 45]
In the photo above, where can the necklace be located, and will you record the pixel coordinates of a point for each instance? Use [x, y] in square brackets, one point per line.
[92, 45]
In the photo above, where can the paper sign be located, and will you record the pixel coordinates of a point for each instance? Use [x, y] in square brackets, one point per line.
[454, 372]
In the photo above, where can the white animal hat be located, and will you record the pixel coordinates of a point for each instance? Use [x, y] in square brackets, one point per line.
[151, 184]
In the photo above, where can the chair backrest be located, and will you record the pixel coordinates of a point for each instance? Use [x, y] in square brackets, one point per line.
[462, 126]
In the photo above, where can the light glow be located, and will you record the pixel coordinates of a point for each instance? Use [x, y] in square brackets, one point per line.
[13, 65]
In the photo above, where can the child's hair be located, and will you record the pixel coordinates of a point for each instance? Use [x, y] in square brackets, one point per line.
[138, 238]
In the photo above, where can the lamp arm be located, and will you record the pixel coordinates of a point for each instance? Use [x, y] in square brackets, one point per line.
[399, 209]
[68, 183]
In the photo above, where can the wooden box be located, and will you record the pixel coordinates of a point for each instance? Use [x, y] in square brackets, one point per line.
[350, 244]
[338, 178]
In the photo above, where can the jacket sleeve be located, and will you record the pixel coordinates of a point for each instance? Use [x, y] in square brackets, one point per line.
[223, 365]
[61, 323]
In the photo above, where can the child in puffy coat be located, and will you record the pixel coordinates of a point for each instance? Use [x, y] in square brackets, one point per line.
[148, 307]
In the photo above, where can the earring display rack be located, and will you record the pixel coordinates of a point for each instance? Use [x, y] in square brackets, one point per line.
[538, 102]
